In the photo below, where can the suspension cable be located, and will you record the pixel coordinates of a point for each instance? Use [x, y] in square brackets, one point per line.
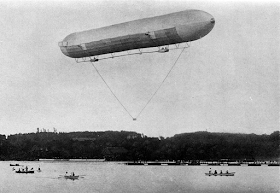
[111, 90]
[133, 118]
[91, 61]
[160, 84]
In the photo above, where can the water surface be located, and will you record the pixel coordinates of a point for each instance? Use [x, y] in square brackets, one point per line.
[112, 177]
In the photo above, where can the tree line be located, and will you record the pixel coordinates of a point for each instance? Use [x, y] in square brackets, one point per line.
[132, 146]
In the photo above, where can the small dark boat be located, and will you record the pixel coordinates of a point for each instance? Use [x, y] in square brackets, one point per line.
[273, 164]
[133, 164]
[25, 172]
[173, 163]
[71, 177]
[14, 164]
[220, 174]
[254, 164]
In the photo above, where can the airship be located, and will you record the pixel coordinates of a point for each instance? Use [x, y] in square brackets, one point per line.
[173, 28]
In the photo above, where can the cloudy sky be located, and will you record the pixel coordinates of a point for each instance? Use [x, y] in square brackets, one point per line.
[227, 81]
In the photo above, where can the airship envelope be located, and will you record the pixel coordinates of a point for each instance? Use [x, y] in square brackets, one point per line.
[174, 28]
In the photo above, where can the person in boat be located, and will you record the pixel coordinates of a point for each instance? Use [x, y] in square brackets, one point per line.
[227, 171]
[215, 172]
[221, 172]
[210, 171]
[26, 168]
[73, 174]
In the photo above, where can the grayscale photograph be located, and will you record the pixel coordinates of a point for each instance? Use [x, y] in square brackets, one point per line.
[140, 96]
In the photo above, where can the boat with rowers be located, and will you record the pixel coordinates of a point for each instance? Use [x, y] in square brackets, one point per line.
[71, 177]
[25, 172]
[219, 174]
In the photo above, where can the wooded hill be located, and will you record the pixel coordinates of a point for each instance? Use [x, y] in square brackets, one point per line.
[132, 146]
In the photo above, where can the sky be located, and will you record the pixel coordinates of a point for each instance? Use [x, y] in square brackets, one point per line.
[228, 81]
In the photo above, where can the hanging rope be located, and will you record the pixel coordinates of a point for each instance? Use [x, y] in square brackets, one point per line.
[91, 61]
[133, 118]
[111, 91]
[160, 84]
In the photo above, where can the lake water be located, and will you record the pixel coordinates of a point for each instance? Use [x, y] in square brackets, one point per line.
[111, 177]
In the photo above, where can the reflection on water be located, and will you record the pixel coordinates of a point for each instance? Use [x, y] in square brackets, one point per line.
[118, 178]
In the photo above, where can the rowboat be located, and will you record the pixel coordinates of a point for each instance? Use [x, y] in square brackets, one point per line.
[220, 174]
[14, 164]
[71, 177]
[25, 172]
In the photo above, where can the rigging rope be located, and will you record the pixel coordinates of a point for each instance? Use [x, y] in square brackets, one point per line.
[111, 90]
[106, 83]
[134, 118]
[160, 84]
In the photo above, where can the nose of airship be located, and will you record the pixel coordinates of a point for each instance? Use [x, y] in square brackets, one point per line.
[197, 24]
[203, 16]
[205, 22]
[206, 19]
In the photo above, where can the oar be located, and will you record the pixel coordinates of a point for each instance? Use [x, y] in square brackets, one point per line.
[61, 176]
